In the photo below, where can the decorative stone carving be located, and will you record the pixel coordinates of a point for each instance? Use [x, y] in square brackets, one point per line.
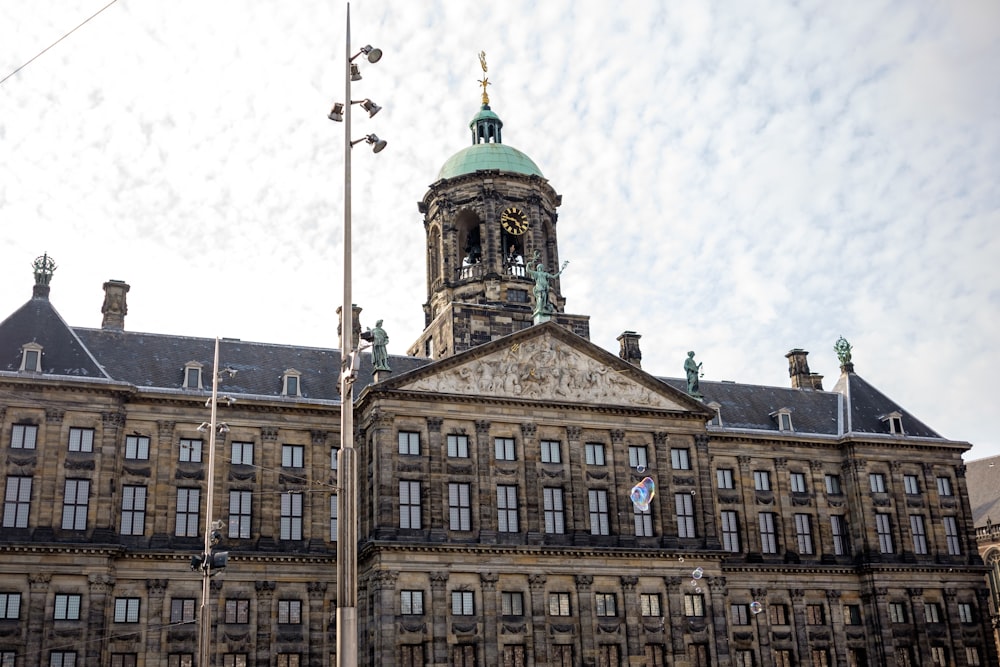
[318, 436]
[54, 415]
[434, 424]
[269, 433]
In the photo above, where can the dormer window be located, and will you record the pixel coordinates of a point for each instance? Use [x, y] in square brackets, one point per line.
[784, 418]
[894, 420]
[192, 375]
[291, 383]
[717, 419]
[31, 358]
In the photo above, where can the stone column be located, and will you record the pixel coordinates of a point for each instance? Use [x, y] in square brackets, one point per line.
[934, 544]
[105, 528]
[263, 620]
[269, 515]
[674, 611]
[763, 622]
[38, 586]
[633, 617]
[382, 635]
[437, 513]
[783, 507]
[539, 645]
[533, 509]
[316, 522]
[954, 628]
[101, 586]
[316, 636]
[837, 623]
[384, 491]
[162, 497]
[585, 602]
[720, 618]
[490, 616]
[157, 618]
[487, 484]
[966, 529]
[439, 608]
[703, 502]
[919, 621]
[799, 618]
[881, 639]
[576, 509]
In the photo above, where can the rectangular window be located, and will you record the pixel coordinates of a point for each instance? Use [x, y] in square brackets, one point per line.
[409, 443]
[237, 611]
[820, 657]
[240, 514]
[190, 450]
[137, 447]
[778, 614]
[911, 485]
[62, 659]
[123, 659]
[599, 519]
[606, 604]
[292, 456]
[463, 655]
[409, 505]
[554, 511]
[186, 515]
[459, 507]
[23, 436]
[558, 604]
[685, 514]
[507, 509]
[289, 659]
[550, 451]
[694, 604]
[649, 604]
[939, 656]
[783, 658]
[463, 603]
[643, 520]
[290, 612]
[67, 607]
[234, 660]
[411, 603]
[594, 453]
[609, 655]
[838, 528]
[932, 612]
[833, 487]
[126, 610]
[133, 521]
[334, 452]
[180, 660]
[10, 606]
[768, 534]
[511, 604]
[724, 478]
[972, 656]
[410, 655]
[951, 536]
[965, 614]
[815, 614]
[504, 449]
[883, 526]
[743, 657]
[241, 453]
[458, 446]
[291, 516]
[679, 459]
[514, 655]
[798, 482]
[876, 481]
[803, 534]
[761, 480]
[897, 612]
[81, 440]
[637, 457]
[334, 512]
[76, 500]
[739, 614]
[730, 531]
[919, 534]
[852, 614]
[17, 502]
[182, 610]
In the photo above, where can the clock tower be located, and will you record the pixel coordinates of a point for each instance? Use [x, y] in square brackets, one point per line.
[490, 221]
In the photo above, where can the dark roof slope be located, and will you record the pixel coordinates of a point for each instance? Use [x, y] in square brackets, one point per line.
[62, 352]
[868, 406]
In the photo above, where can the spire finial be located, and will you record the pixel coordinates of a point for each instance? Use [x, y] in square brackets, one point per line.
[44, 266]
[484, 81]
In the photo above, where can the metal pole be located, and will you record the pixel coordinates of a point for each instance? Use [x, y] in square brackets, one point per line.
[205, 618]
[347, 519]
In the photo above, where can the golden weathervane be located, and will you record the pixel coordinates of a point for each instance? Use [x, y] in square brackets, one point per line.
[484, 81]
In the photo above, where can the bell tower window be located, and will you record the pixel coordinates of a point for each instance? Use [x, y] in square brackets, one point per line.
[31, 358]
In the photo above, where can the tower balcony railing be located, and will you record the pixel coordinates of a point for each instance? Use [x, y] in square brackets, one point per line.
[478, 271]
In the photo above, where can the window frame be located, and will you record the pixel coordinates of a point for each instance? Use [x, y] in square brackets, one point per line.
[548, 448]
[877, 482]
[17, 501]
[76, 504]
[768, 532]
[293, 456]
[463, 603]
[559, 604]
[408, 443]
[605, 605]
[883, 529]
[290, 609]
[553, 510]
[20, 438]
[511, 603]
[136, 447]
[240, 514]
[638, 455]
[458, 446]
[127, 610]
[918, 531]
[291, 516]
[80, 440]
[803, 533]
[684, 509]
[724, 478]
[504, 449]
[190, 450]
[797, 482]
[189, 526]
[67, 607]
[762, 480]
[237, 609]
[599, 511]
[594, 454]
[411, 602]
[10, 605]
[507, 509]
[459, 506]
[239, 451]
[729, 526]
[133, 510]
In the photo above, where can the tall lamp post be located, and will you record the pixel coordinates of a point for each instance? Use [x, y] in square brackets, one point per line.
[347, 492]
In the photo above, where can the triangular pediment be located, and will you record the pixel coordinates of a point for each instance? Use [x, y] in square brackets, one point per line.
[547, 363]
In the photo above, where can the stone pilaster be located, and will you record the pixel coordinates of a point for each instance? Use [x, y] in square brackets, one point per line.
[157, 609]
[490, 614]
[536, 582]
[720, 617]
[438, 505]
[262, 619]
[382, 585]
[585, 603]
[703, 501]
[316, 635]
[631, 608]
[38, 586]
[101, 586]
[533, 509]
[487, 484]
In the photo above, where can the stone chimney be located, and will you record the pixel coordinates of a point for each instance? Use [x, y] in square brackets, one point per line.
[356, 325]
[115, 308]
[798, 370]
[629, 341]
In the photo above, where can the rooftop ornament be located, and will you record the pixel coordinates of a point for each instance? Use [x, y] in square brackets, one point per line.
[44, 267]
[843, 350]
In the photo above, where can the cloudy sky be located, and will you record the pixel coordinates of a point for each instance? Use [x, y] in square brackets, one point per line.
[739, 178]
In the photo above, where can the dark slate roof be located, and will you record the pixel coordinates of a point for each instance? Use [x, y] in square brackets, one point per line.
[983, 479]
[62, 352]
[868, 406]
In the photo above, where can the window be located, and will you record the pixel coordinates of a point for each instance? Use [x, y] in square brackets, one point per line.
[137, 447]
[932, 612]
[951, 536]
[514, 655]
[833, 487]
[857, 657]
[239, 514]
[512, 604]
[558, 604]
[31, 358]
[965, 614]
[517, 295]
[234, 660]
[820, 657]
[939, 656]
[815, 614]
[81, 440]
[724, 478]
[562, 655]
[463, 655]
[458, 446]
[190, 450]
[911, 485]
[186, 516]
[411, 603]
[17, 502]
[182, 610]
[10, 606]
[334, 512]
[75, 503]
[649, 604]
[462, 603]
[803, 534]
[333, 457]
[62, 659]
[897, 612]
[126, 610]
[504, 449]
[192, 375]
[798, 482]
[23, 436]
[730, 531]
[609, 655]
[237, 611]
[971, 656]
[694, 604]
[554, 511]
[133, 521]
[761, 480]
[784, 419]
[242, 454]
[606, 604]
[67, 607]
[883, 526]
[289, 660]
[599, 521]
[877, 482]
[180, 660]
[739, 614]
[7, 658]
[550, 451]
[717, 417]
[783, 658]
[919, 534]
[291, 516]
[637, 457]
[685, 514]
[507, 509]
[768, 535]
[838, 529]
[409, 443]
[698, 654]
[291, 383]
[594, 453]
[410, 655]
[852, 614]
[944, 486]
[778, 614]
[460, 507]
[290, 612]
[679, 459]
[643, 522]
[292, 456]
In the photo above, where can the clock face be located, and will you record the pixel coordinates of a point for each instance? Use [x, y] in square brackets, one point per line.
[514, 220]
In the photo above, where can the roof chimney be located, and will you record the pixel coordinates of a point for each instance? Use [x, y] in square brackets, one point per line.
[629, 341]
[355, 328]
[114, 309]
[798, 370]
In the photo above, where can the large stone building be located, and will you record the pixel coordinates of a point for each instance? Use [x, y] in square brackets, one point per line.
[790, 525]
[984, 497]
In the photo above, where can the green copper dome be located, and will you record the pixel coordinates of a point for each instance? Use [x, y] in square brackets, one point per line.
[488, 150]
